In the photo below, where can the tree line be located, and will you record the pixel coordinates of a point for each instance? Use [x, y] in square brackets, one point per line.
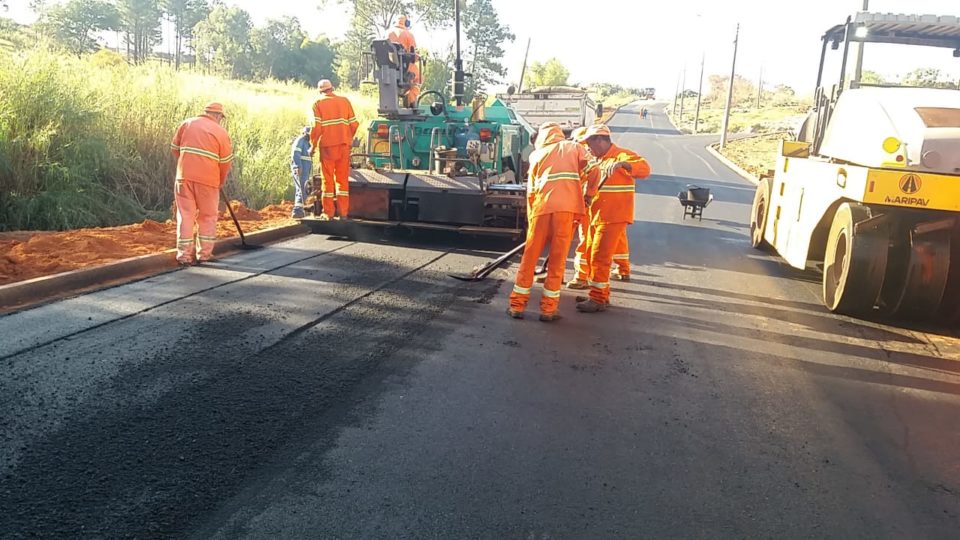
[224, 40]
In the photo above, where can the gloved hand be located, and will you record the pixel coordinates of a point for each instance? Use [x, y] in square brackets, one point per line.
[587, 200]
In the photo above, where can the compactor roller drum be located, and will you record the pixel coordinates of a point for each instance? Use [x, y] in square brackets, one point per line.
[854, 262]
[916, 289]
[758, 218]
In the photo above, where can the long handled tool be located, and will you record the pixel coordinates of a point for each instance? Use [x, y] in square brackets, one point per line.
[243, 240]
[484, 270]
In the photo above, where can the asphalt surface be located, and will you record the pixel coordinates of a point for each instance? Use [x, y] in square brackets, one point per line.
[324, 388]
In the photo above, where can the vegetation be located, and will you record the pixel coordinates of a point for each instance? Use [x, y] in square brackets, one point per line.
[549, 73]
[85, 142]
[777, 108]
[756, 155]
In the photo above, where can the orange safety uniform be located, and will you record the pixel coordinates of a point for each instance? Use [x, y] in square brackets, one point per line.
[612, 210]
[561, 172]
[404, 37]
[335, 124]
[204, 156]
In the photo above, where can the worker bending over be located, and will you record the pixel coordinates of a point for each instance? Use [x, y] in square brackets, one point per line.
[610, 212]
[300, 166]
[561, 178]
[204, 155]
[334, 127]
[401, 35]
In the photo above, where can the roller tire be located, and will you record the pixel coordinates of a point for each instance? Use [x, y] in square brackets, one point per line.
[854, 263]
[758, 215]
[926, 281]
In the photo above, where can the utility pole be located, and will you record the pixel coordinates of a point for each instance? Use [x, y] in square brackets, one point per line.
[696, 119]
[733, 74]
[859, 68]
[760, 87]
[523, 70]
[675, 95]
[683, 90]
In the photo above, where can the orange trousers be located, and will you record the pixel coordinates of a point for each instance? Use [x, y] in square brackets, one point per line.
[621, 255]
[197, 205]
[335, 167]
[553, 230]
[604, 239]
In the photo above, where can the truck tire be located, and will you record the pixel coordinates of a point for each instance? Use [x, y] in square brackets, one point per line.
[758, 215]
[854, 263]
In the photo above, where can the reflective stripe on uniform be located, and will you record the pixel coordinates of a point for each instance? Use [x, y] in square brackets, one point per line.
[618, 189]
[328, 195]
[551, 294]
[184, 242]
[562, 176]
[306, 158]
[335, 122]
[227, 159]
[200, 152]
[598, 285]
[622, 257]
[521, 290]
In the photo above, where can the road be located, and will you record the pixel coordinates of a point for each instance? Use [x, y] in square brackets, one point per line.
[324, 388]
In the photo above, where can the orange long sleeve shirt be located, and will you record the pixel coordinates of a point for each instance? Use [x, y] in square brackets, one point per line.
[334, 121]
[561, 172]
[615, 200]
[203, 151]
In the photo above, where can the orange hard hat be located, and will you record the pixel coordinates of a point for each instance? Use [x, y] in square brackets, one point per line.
[325, 85]
[596, 130]
[214, 107]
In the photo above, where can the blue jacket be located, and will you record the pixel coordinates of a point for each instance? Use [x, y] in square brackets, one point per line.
[300, 155]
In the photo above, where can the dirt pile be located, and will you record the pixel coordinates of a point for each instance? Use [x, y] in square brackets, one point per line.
[27, 255]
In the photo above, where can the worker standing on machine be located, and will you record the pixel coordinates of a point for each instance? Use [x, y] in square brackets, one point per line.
[610, 212]
[334, 126]
[401, 35]
[204, 156]
[562, 177]
[300, 166]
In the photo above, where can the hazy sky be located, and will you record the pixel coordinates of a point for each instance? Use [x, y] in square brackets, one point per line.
[638, 43]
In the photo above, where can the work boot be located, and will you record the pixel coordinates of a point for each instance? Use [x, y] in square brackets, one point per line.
[514, 314]
[540, 279]
[578, 284]
[297, 213]
[587, 298]
[323, 217]
[550, 318]
[590, 307]
[622, 277]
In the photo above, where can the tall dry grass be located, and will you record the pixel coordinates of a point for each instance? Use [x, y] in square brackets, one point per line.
[85, 142]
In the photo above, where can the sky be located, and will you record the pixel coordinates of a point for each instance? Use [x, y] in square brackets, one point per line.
[648, 44]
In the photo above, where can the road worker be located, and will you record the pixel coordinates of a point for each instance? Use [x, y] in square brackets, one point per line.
[561, 178]
[334, 127]
[204, 155]
[401, 35]
[610, 212]
[300, 166]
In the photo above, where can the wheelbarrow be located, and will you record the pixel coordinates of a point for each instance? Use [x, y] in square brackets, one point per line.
[694, 200]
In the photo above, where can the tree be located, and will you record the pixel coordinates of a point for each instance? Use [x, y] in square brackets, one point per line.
[141, 26]
[927, 78]
[437, 71]
[871, 77]
[744, 91]
[486, 36]
[549, 73]
[276, 48]
[318, 61]
[222, 41]
[75, 23]
[184, 14]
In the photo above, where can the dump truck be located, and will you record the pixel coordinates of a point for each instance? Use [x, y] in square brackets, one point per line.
[440, 164]
[568, 106]
[871, 187]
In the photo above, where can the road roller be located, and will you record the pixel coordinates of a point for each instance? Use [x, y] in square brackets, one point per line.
[870, 188]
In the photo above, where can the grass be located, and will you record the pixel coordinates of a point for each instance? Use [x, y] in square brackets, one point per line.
[742, 120]
[756, 155]
[85, 142]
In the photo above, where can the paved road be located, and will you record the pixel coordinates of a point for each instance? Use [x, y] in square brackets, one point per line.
[323, 388]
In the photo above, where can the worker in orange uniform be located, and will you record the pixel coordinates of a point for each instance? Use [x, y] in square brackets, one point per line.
[562, 177]
[580, 266]
[611, 212]
[204, 155]
[335, 124]
[401, 35]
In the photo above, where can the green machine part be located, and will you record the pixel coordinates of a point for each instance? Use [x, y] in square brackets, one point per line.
[409, 143]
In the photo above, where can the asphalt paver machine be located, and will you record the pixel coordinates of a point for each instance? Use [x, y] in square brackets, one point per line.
[872, 185]
[440, 164]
